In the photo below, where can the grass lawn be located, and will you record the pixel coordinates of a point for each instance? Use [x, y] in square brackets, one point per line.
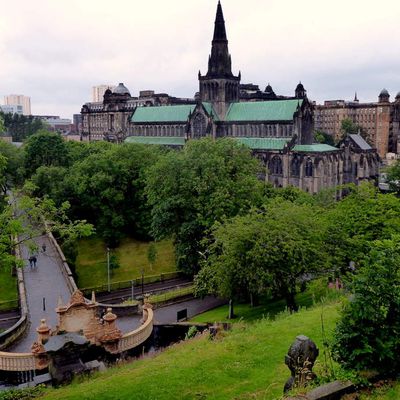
[8, 290]
[383, 393]
[267, 308]
[245, 363]
[91, 264]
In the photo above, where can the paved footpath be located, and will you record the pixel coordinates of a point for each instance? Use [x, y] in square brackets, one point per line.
[47, 282]
[43, 282]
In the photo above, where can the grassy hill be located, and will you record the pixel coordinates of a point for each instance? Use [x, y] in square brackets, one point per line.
[245, 363]
[91, 264]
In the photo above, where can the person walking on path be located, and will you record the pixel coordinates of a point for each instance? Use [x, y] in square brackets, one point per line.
[30, 261]
[44, 247]
[34, 261]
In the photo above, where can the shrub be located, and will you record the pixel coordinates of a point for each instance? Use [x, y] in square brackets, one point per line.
[367, 336]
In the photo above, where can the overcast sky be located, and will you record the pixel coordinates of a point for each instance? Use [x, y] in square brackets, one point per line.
[56, 50]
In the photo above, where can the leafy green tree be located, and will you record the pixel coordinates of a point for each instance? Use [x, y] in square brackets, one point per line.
[188, 191]
[393, 177]
[267, 250]
[27, 225]
[45, 149]
[14, 170]
[21, 126]
[367, 335]
[107, 188]
[348, 127]
[322, 137]
[354, 222]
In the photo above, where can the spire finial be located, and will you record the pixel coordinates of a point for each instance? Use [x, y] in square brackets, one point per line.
[219, 29]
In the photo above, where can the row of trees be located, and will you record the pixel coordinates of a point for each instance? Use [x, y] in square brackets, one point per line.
[293, 238]
[20, 126]
[26, 224]
[246, 237]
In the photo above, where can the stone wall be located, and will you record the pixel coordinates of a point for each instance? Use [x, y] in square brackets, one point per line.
[18, 329]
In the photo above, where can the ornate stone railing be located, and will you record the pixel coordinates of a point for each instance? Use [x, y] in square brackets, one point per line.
[17, 361]
[139, 335]
[18, 329]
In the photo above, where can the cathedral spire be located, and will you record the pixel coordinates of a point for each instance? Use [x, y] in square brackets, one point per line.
[219, 29]
[219, 63]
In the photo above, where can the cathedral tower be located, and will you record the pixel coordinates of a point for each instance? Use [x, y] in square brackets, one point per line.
[219, 86]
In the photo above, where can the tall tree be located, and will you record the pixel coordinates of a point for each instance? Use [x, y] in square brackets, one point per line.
[47, 149]
[271, 249]
[107, 188]
[354, 222]
[190, 190]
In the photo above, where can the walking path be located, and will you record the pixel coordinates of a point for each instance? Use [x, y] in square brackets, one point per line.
[44, 284]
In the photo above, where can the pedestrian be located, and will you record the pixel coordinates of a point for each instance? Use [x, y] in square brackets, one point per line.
[31, 261]
[44, 248]
[34, 260]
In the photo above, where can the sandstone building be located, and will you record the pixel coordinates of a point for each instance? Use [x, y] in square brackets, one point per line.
[278, 129]
[379, 121]
[109, 119]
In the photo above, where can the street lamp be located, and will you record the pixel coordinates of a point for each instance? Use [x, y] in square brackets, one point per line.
[108, 269]
[142, 271]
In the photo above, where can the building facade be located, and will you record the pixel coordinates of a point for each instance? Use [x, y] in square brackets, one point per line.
[12, 109]
[19, 100]
[278, 129]
[379, 122]
[109, 119]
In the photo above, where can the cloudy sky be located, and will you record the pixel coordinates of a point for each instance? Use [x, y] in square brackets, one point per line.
[56, 50]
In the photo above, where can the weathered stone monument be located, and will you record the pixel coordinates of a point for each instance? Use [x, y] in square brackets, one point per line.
[300, 360]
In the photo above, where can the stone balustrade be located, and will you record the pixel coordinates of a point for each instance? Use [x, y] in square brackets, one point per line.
[139, 335]
[17, 361]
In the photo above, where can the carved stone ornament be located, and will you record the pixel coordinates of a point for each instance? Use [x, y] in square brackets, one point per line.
[37, 348]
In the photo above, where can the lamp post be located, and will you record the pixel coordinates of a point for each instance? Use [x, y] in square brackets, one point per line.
[142, 270]
[132, 289]
[108, 269]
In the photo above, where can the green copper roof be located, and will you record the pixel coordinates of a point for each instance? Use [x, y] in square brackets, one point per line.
[314, 148]
[263, 143]
[163, 113]
[276, 110]
[160, 140]
[210, 110]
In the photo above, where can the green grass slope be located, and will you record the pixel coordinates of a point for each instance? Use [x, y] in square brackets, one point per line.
[8, 290]
[246, 363]
[91, 266]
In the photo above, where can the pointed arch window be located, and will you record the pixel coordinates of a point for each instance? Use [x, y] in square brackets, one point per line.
[295, 166]
[309, 167]
[275, 165]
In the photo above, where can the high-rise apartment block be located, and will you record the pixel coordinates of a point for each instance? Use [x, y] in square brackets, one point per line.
[19, 100]
[98, 92]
